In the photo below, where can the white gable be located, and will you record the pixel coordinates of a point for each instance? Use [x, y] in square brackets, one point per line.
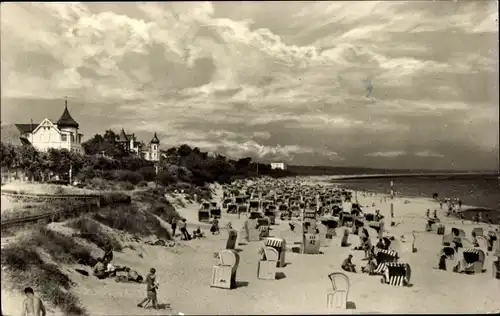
[46, 123]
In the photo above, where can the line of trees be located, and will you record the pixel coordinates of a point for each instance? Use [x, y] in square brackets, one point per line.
[105, 158]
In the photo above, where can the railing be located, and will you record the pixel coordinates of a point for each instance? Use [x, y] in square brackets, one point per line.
[94, 198]
[51, 216]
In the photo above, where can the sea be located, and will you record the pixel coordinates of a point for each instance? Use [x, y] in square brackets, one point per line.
[481, 191]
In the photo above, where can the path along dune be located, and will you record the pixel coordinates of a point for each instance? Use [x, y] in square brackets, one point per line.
[184, 274]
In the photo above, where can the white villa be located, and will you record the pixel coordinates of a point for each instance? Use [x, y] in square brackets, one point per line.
[62, 134]
[278, 165]
[130, 142]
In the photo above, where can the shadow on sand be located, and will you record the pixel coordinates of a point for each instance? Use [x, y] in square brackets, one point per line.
[160, 306]
[280, 275]
[350, 305]
[241, 284]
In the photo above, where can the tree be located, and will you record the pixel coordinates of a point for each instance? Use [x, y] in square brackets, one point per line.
[106, 144]
[8, 155]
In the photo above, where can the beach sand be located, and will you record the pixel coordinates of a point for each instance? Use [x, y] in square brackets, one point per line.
[184, 273]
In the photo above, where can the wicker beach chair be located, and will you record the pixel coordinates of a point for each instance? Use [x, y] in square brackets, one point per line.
[224, 273]
[478, 231]
[336, 296]
[383, 257]
[482, 243]
[472, 260]
[396, 274]
[280, 245]
[267, 265]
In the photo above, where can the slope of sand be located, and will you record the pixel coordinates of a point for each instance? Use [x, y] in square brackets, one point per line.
[185, 276]
[184, 273]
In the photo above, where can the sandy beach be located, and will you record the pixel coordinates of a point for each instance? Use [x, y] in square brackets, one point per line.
[184, 273]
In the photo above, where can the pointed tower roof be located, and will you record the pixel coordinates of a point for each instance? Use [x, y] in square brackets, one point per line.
[122, 137]
[66, 120]
[155, 140]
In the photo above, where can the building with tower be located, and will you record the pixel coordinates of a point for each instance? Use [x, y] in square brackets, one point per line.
[131, 144]
[62, 134]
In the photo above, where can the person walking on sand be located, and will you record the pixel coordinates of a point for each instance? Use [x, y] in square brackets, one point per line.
[151, 286]
[183, 228]
[32, 305]
[173, 225]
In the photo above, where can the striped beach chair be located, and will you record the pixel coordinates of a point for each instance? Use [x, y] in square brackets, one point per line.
[280, 245]
[380, 269]
[396, 274]
[472, 260]
[385, 255]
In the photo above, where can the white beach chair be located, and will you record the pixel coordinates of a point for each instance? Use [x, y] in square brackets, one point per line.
[224, 273]
[336, 297]
[267, 265]
[483, 243]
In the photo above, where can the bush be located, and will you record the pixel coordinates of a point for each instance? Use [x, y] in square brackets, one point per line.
[166, 178]
[155, 201]
[148, 173]
[92, 231]
[28, 269]
[132, 177]
[126, 186]
[142, 184]
[111, 198]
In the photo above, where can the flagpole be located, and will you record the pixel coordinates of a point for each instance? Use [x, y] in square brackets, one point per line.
[70, 173]
[392, 197]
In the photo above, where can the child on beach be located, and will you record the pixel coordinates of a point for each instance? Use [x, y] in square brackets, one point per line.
[151, 286]
[442, 262]
[32, 305]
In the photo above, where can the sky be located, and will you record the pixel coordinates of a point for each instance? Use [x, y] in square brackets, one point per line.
[372, 84]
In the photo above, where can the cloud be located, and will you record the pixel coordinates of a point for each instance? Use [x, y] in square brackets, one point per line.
[389, 154]
[429, 154]
[287, 80]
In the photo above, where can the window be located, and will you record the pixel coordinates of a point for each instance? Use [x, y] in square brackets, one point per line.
[72, 138]
[64, 137]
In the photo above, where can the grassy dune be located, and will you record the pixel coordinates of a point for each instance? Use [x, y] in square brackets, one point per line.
[39, 256]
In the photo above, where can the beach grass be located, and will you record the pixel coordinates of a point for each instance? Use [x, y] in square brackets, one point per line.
[23, 260]
[131, 219]
[94, 233]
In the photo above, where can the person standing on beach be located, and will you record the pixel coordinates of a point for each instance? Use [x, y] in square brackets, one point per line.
[480, 217]
[151, 286]
[173, 225]
[32, 305]
[183, 228]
